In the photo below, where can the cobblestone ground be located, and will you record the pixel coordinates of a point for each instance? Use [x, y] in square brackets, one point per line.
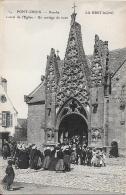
[111, 178]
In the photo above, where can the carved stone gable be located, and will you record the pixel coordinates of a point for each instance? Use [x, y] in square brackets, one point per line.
[99, 62]
[73, 81]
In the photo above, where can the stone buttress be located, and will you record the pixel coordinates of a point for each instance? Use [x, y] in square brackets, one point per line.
[99, 91]
[51, 81]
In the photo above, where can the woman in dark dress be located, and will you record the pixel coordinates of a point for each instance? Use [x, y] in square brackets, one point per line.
[53, 162]
[114, 150]
[23, 158]
[89, 156]
[47, 158]
[66, 159]
[37, 163]
[32, 156]
[83, 156]
[60, 162]
[6, 151]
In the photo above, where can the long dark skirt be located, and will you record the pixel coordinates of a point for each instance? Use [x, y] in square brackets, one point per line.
[52, 164]
[46, 162]
[66, 160]
[60, 165]
[8, 179]
[23, 160]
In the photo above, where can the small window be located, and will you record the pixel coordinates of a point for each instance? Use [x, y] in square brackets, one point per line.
[7, 119]
[3, 98]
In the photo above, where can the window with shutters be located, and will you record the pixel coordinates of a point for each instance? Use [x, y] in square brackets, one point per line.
[4, 119]
[11, 120]
[7, 119]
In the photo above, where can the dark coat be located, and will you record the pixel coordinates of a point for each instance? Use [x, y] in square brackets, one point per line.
[53, 162]
[47, 159]
[66, 157]
[23, 159]
[37, 156]
[60, 162]
[60, 154]
[47, 152]
[6, 151]
[9, 177]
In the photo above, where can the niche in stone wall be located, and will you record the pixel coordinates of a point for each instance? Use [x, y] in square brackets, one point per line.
[122, 105]
[95, 101]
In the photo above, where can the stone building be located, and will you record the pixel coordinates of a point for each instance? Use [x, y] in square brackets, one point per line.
[80, 95]
[8, 113]
[21, 130]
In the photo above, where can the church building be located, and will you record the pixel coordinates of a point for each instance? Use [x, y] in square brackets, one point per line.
[81, 95]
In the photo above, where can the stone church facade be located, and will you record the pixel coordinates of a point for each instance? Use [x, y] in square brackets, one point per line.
[80, 95]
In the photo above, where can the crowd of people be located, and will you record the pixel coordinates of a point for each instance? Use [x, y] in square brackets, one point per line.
[53, 158]
[56, 158]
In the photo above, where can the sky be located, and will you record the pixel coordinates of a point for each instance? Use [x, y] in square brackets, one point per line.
[25, 43]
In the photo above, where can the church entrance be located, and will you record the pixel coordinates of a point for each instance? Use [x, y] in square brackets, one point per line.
[73, 127]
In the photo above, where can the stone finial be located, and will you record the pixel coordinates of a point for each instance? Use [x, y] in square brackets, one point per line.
[105, 42]
[3, 80]
[52, 52]
[57, 52]
[96, 38]
[73, 16]
[74, 6]
[42, 78]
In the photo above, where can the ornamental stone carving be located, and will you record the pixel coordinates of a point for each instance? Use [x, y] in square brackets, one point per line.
[75, 74]
[50, 134]
[96, 134]
[73, 106]
[99, 62]
[52, 73]
[122, 99]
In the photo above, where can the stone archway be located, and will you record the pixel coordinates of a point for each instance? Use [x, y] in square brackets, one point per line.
[72, 120]
[73, 125]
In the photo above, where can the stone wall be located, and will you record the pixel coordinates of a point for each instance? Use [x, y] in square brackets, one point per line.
[117, 114]
[36, 118]
[97, 114]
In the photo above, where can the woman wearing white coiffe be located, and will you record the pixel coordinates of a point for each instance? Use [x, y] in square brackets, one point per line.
[47, 158]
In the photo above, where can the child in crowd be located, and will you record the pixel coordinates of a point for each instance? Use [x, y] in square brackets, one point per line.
[9, 177]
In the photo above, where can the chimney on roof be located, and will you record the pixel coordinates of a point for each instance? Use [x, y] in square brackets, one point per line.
[3, 83]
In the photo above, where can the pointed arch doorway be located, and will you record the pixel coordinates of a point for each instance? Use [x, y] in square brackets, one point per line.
[72, 126]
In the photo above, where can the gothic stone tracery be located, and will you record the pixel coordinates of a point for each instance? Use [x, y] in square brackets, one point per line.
[73, 81]
[77, 87]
